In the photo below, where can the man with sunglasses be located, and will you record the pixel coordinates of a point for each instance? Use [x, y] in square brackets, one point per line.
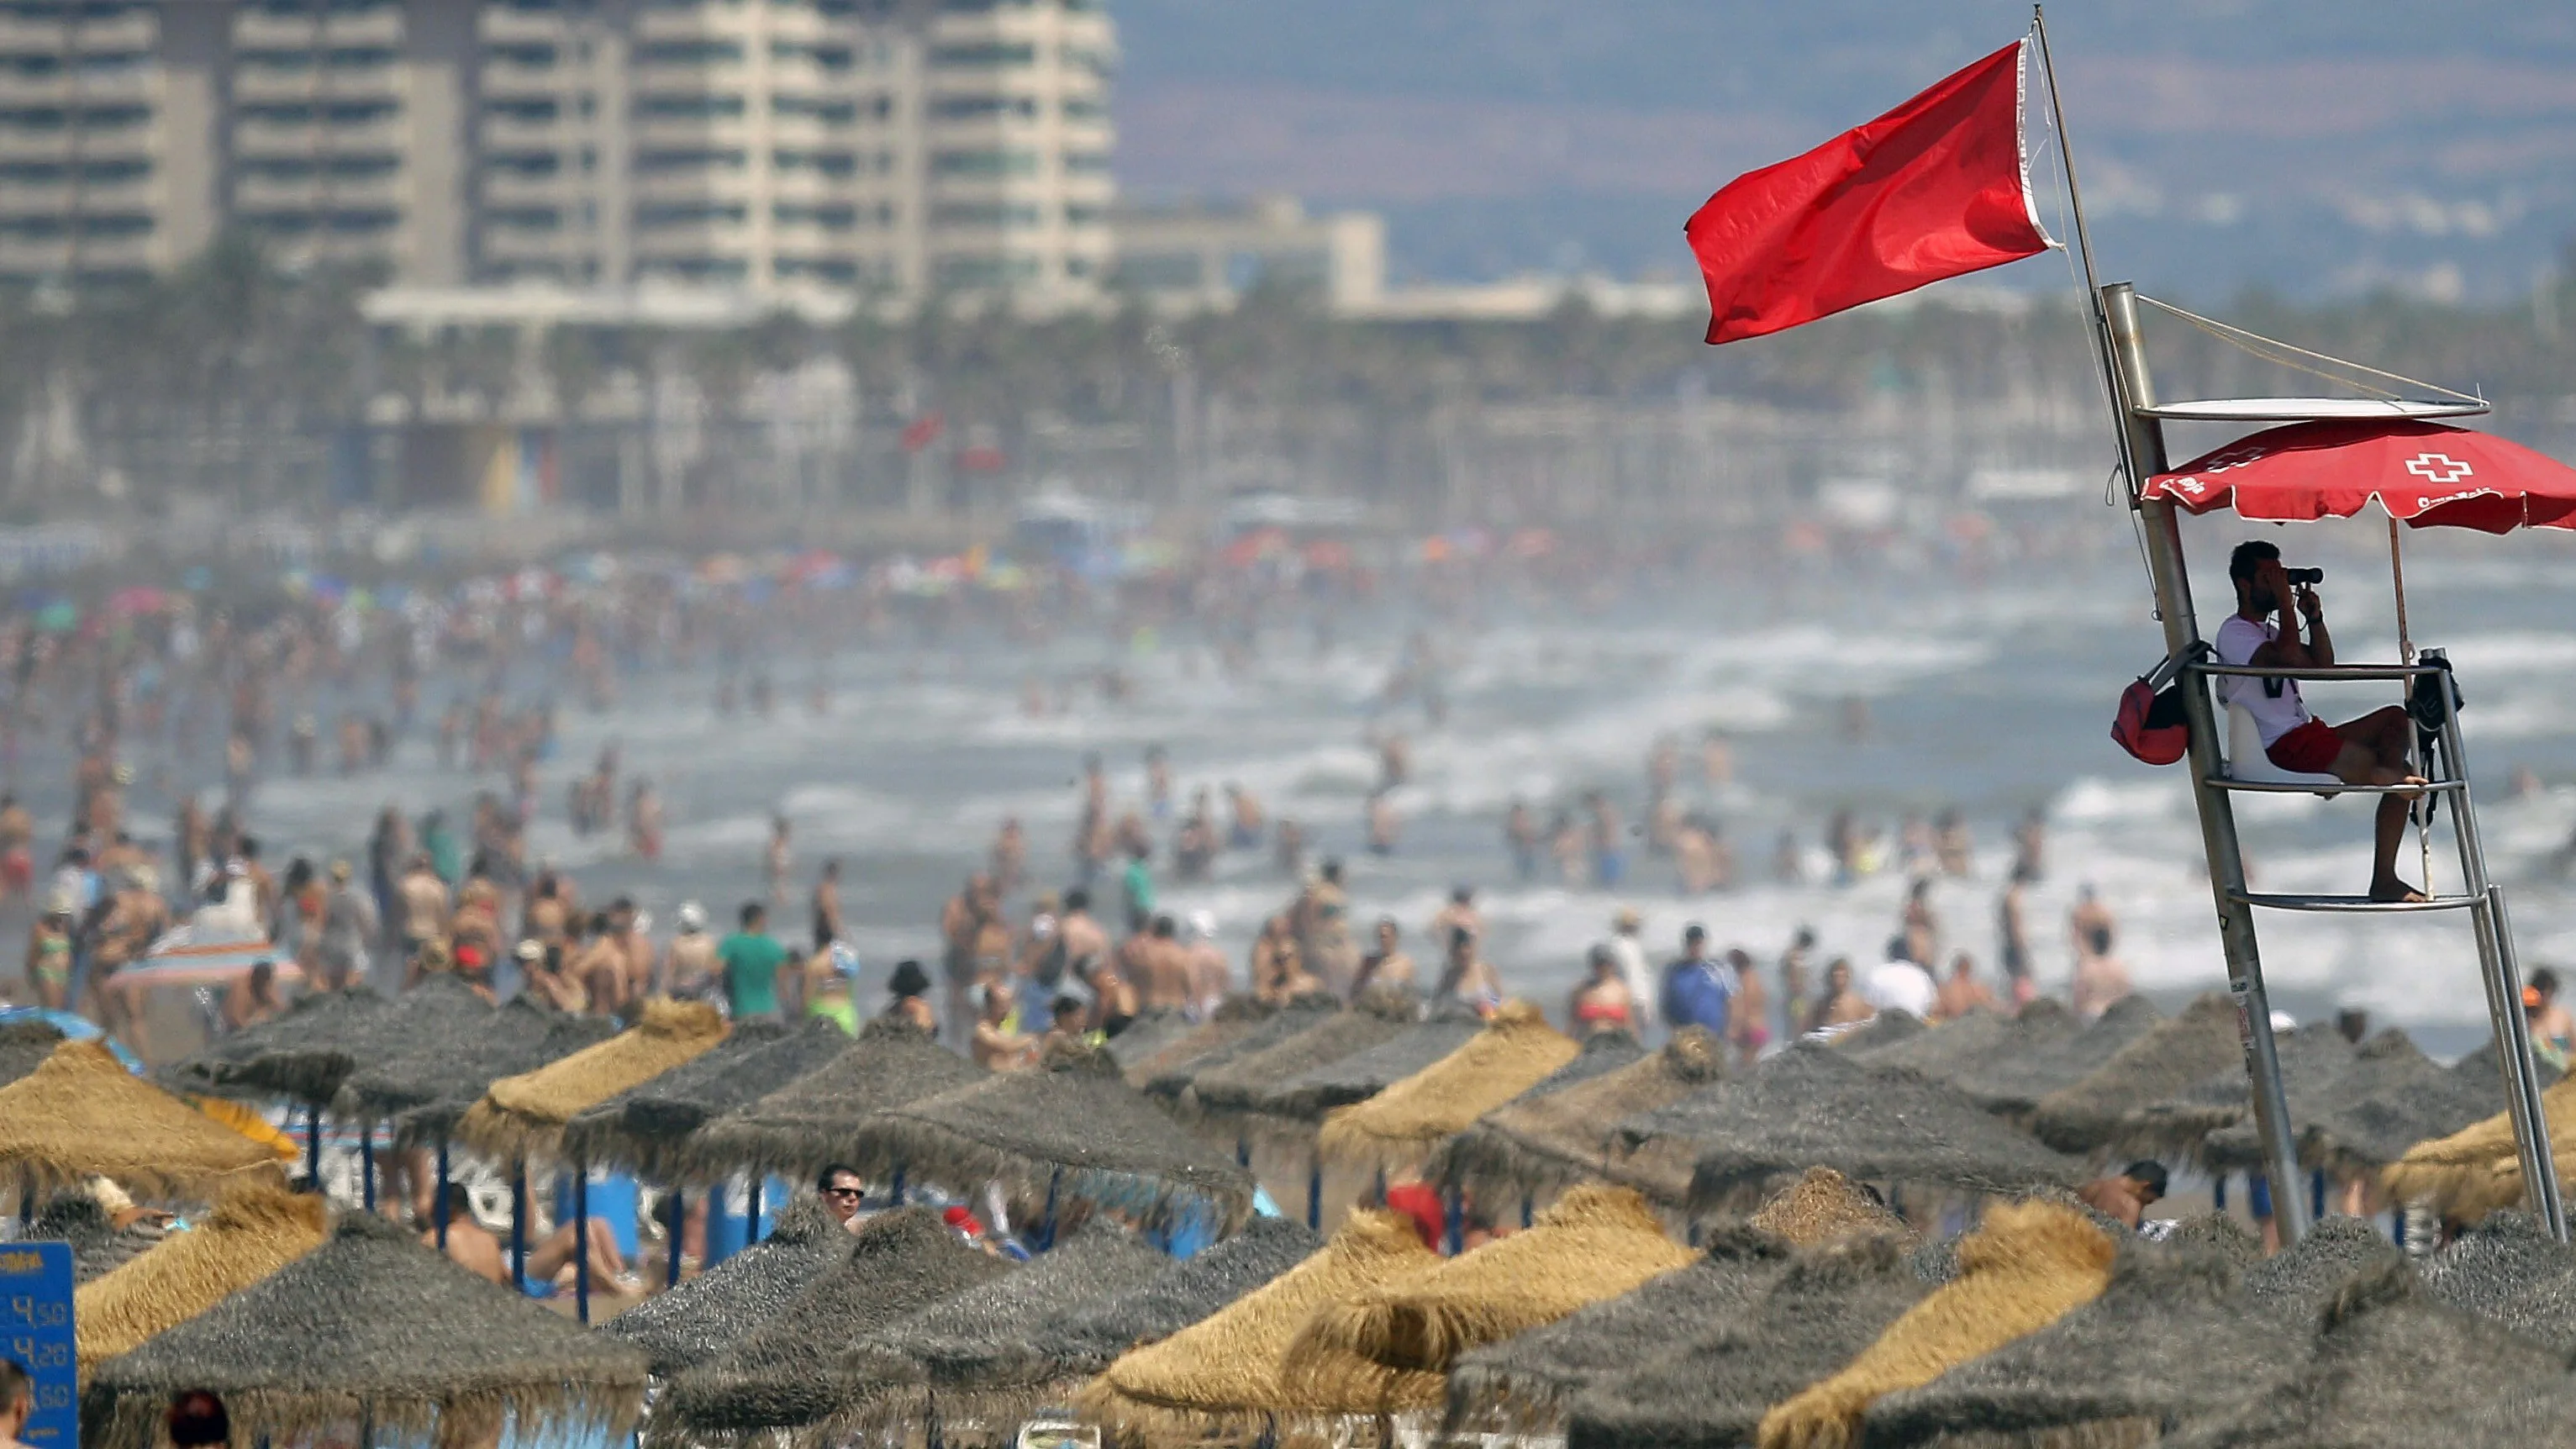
[840, 1189]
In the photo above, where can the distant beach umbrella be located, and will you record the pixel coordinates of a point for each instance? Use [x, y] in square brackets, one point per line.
[2168, 1057]
[254, 1229]
[645, 1128]
[82, 1114]
[2051, 1049]
[808, 1124]
[522, 1118]
[704, 1315]
[1399, 1126]
[1562, 1131]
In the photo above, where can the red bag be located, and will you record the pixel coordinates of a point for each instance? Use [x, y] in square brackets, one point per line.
[2151, 724]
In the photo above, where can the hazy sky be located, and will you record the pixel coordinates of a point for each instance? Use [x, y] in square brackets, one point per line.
[2311, 147]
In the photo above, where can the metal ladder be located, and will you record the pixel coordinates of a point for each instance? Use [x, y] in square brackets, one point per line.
[2213, 787]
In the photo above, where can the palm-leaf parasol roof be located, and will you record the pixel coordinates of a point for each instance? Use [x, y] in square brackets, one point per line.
[1149, 1035]
[704, 1315]
[2392, 1367]
[1824, 1207]
[1715, 1384]
[1398, 1126]
[1284, 1024]
[373, 1329]
[303, 1052]
[642, 1128]
[1525, 1384]
[2051, 1049]
[1166, 1047]
[812, 1121]
[1073, 1127]
[1091, 1337]
[1394, 1345]
[522, 1118]
[1951, 1047]
[1294, 1108]
[2498, 1263]
[1221, 1375]
[1560, 1131]
[2475, 1170]
[1230, 1086]
[2026, 1266]
[1884, 1030]
[2300, 1279]
[82, 1114]
[966, 1355]
[255, 1229]
[431, 1083]
[2315, 1062]
[2172, 1333]
[1812, 1106]
[2389, 1097]
[99, 1247]
[24, 1045]
[773, 1377]
[2168, 1057]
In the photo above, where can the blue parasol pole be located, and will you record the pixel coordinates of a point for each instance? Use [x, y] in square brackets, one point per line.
[1456, 1215]
[367, 1164]
[1046, 1229]
[896, 1192]
[751, 1220]
[442, 1195]
[1315, 1195]
[313, 1147]
[519, 1225]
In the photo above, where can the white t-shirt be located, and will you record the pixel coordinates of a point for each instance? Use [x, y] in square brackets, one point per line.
[2275, 715]
[1901, 986]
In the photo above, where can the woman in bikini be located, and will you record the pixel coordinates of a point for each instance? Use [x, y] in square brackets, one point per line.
[1602, 1002]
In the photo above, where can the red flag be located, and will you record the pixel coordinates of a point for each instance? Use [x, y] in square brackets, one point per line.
[923, 431]
[1932, 189]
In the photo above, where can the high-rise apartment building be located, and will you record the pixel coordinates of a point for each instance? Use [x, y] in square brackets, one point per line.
[898, 148]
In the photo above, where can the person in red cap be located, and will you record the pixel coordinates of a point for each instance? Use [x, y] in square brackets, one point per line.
[1421, 1206]
[2553, 1031]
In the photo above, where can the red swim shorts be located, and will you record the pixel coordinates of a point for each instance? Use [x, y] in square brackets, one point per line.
[2308, 750]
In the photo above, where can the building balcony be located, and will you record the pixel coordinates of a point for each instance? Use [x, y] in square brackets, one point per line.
[523, 244]
[667, 132]
[510, 133]
[257, 29]
[507, 188]
[680, 185]
[319, 137]
[503, 25]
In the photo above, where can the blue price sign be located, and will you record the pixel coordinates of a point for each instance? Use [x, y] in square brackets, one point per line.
[36, 1330]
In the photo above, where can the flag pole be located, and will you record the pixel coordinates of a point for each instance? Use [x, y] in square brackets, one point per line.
[2103, 356]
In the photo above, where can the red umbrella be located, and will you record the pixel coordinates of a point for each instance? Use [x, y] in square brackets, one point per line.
[2424, 473]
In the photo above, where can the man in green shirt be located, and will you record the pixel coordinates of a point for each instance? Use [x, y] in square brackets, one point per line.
[751, 961]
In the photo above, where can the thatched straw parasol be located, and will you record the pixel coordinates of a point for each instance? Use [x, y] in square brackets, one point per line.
[1288, 1022]
[302, 1053]
[2170, 1335]
[1949, 1047]
[964, 1359]
[800, 1127]
[255, 1229]
[1072, 1131]
[1525, 1384]
[2482, 1072]
[1294, 1108]
[24, 1045]
[99, 1247]
[707, 1314]
[642, 1128]
[1149, 1035]
[2300, 1279]
[1090, 1338]
[1221, 1375]
[2391, 1367]
[1515, 1051]
[373, 1331]
[2389, 1097]
[2475, 1170]
[1229, 1088]
[1823, 1207]
[1886, 1029]
[82, 1114]
[1713, 1387]
[2167, 1058]
[522, 1118]
[2049, 1049]
[771, 1378]
[1166, 1048]
[2498, 1262]
[1813, 1106]
[2024, 1268]
[1559, 1132]
[1395, 1344]
[2315, 1061]
[431, 1083]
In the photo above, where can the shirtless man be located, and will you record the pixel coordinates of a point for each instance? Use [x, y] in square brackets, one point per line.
[595, 960]
[1211, 976]
[1278, 967]
[1963, 992]
[1459, 914]
[1165, 975]
[776, 862]
[1082, 941]
[1386, 965]
[995, 1048]
[691, 961]
[548, 916]
[634, 947]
